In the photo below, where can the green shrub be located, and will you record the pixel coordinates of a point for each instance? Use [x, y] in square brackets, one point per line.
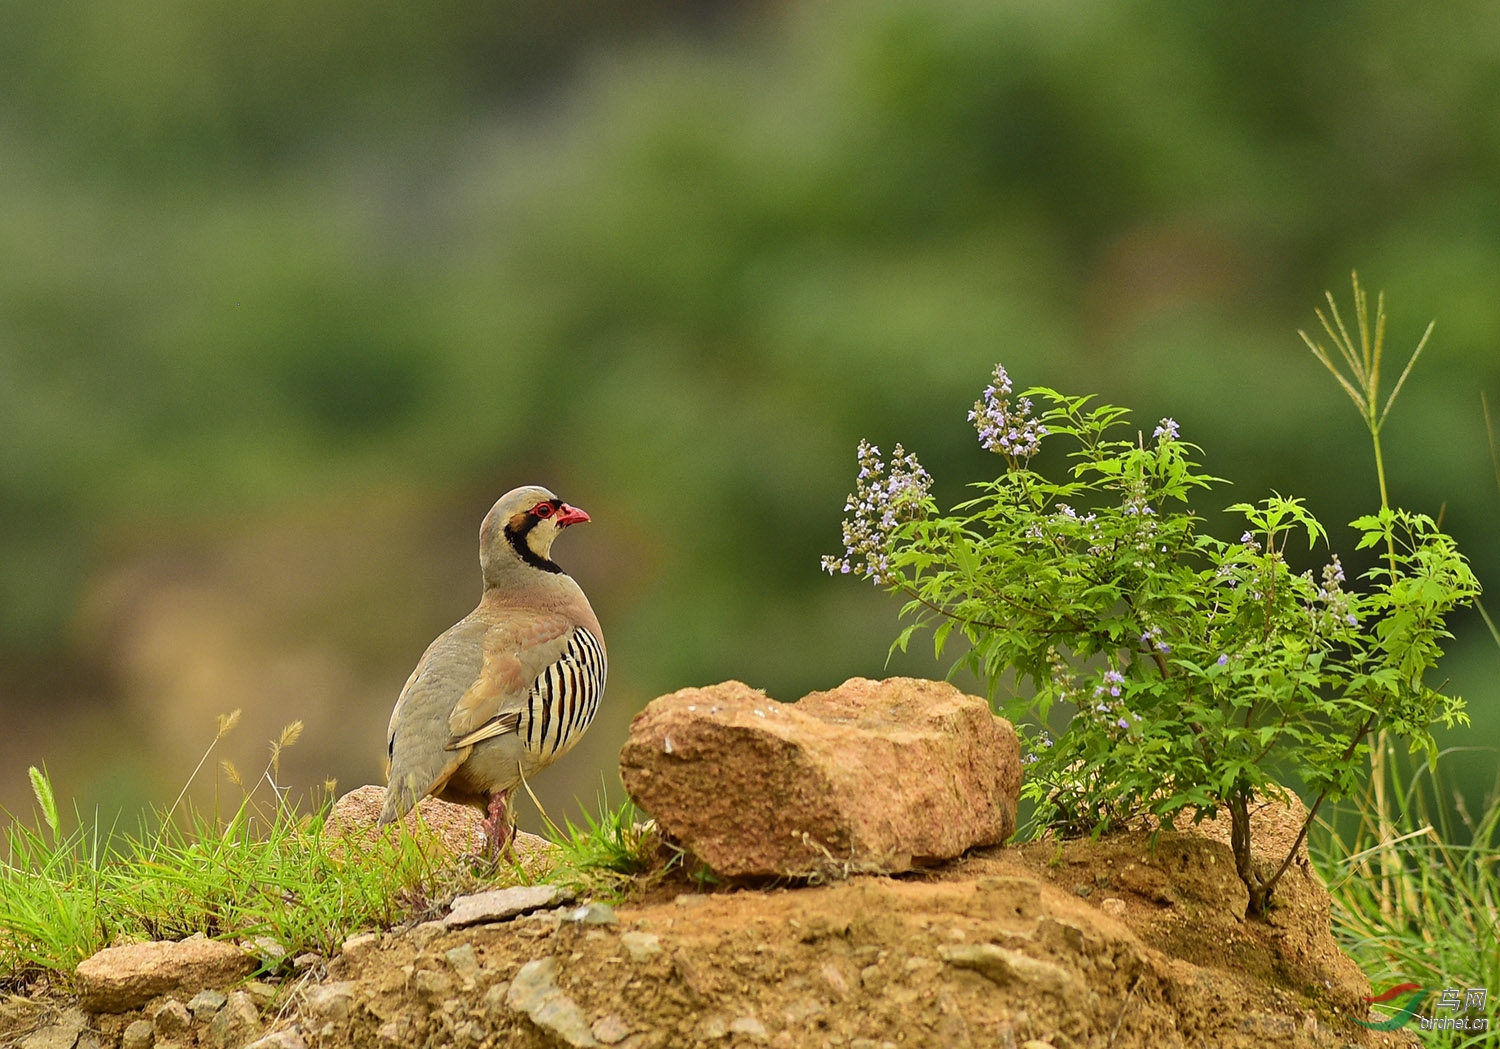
[1197, 672]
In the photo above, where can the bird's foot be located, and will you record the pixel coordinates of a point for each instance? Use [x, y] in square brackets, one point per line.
[499, 831]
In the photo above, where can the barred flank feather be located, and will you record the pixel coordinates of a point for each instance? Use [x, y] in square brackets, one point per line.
[565, 697]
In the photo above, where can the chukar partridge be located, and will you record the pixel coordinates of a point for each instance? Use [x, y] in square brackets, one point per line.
[512, 686]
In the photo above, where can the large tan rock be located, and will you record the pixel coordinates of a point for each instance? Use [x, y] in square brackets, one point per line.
[120, 978]
[873, 776]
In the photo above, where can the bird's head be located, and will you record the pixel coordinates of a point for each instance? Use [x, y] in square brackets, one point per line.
[519, 530]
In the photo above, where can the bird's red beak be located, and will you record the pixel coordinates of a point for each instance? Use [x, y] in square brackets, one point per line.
[567, 515]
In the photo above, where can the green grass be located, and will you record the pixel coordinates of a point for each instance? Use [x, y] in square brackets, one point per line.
[267, 870]
[1410, 904]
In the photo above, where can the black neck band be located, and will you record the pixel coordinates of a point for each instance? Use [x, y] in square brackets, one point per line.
[517, 537]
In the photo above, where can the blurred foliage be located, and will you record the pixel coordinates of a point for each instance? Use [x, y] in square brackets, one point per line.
[675, 259]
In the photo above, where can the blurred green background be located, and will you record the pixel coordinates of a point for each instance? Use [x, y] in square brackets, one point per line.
[291, 292]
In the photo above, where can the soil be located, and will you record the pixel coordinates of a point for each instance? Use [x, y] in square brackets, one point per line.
[1129, 941]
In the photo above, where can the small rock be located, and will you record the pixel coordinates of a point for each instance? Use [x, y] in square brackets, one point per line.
[56, 1036]
[260, 992]
[356, 948]
[139, 1034]
[498, 905]
[1005, 966]
[306, 961]
[641, 946]
[594, 914]
[171, 1019]
[494, 998]
[390, 1033]
[835, 979]
[271, 952]
[205, 1004]
[117, 979]
[436, 987]
[713, 1028]
[234, 1023]
[802, 1010]
[463, 960]
[838, 763]
[534, 991]
[291, 1038]
[1113, 906]
[425, 933]
[611, 1029]
[751, 1028]
[330, 1002]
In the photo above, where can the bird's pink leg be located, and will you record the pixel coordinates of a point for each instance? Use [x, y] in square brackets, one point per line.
[499, 831]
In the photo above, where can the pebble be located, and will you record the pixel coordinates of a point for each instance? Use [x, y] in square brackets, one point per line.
[641, 946]
[611, 1029]
[534, 991]
[139, 1034]
[494, 998]
[594, 914]
[751, 1028]
[172, 1019]
[498, 905]
[271, 952]
[331, 1002]
[235, 1021]
[290, 1038]
[463, 960]
[260, 992]
[205, 1004]
[1006, 966]
[306, 961]
[358, 947]
[433, 985]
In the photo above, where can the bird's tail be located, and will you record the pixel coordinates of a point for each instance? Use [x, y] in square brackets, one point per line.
[400, 797]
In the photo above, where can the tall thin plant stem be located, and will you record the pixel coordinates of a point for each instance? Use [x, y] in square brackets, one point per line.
[1362, 384]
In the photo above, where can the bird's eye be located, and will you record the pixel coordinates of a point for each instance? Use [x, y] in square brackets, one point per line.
[542, 510]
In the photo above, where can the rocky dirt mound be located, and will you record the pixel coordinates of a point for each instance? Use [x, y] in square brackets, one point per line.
[1080, 945]
[1135, 940]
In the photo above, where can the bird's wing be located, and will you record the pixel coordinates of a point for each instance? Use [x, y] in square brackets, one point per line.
[417, 762]
[516, 651]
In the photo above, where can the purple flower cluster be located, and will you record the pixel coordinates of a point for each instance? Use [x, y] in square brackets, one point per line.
[1152, 639]
[1112, 682]
[1336, 601]
[1165, 431]
[1042, 741]
[1107, 695]
[1011, 432]
[884, 499]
